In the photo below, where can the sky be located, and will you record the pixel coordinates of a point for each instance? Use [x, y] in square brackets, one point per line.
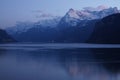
[12, 11]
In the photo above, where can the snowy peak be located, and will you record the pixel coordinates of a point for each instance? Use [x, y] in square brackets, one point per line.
[72, 17]
[51, 22]
[71, 10]
[77, 14]
[107, 12]
[114, 10]
[91, 13]
[72, 13]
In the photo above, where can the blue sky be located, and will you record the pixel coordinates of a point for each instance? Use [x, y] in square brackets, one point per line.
[12, 11]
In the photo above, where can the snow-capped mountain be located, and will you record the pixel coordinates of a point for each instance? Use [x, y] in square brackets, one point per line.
[73, 17]
[51, 22]
[21, 27]
[75, 26]
[86, 14]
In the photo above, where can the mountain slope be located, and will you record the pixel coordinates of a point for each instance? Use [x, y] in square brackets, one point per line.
[79, 33]
[75, 26]
[107, 30]
[38, 34]
[22, 27]
[4, 37]
[73, 17]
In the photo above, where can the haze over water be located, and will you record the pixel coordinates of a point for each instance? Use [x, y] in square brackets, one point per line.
[59, 62]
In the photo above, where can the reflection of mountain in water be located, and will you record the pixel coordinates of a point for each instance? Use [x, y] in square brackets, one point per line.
[110, 57]
[59, 64]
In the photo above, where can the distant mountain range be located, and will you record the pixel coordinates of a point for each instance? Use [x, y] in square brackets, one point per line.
[24, 26]
[74, 26]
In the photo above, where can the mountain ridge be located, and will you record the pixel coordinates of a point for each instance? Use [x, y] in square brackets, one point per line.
[78, 24]
[107, 30]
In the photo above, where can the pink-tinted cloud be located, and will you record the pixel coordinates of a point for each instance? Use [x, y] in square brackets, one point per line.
[101, 7]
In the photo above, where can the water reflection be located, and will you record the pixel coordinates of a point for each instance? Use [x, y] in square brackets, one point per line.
[35, 63]
[109, 57]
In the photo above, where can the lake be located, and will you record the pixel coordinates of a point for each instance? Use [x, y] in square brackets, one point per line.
[62, 61]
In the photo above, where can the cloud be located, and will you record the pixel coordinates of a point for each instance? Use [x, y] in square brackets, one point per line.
[37, 11]
[41, 14]
[89, 8]
[99, 8]
[44, 15]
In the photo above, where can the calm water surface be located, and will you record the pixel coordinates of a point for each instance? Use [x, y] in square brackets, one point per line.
[59, 62]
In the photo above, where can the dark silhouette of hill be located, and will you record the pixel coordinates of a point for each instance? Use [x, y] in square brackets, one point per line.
[107, 30]
[4, 37]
